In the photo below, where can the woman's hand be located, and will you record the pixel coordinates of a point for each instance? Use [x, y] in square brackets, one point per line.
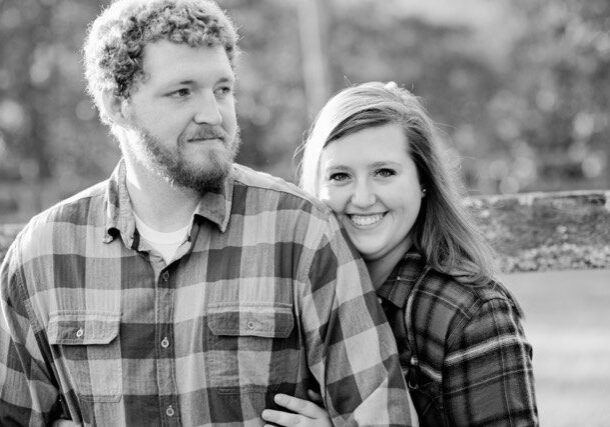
[64, 423]
[307, 413]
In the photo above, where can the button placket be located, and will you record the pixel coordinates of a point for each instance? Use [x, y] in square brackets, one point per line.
[164, 335]
[165, 276]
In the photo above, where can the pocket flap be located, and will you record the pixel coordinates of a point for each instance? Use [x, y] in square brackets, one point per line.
[267, 321]
[83, 327]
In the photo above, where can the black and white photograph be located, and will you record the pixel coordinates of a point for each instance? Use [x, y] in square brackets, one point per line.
[304, 213]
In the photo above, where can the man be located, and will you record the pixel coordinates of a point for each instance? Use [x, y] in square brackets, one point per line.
[185, 290]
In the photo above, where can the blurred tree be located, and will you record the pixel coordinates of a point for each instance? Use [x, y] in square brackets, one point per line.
[26, 78]
[523, 105]
[560, 81]
[434, 60]
[313, 25]
[271, 99]
[47, 126]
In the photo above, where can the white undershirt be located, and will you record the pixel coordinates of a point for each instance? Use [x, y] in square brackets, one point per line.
[165, 243]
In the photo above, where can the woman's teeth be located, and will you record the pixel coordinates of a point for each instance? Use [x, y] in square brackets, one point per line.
[364, 220]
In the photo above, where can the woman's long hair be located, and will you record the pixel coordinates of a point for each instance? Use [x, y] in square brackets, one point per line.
[444, 232]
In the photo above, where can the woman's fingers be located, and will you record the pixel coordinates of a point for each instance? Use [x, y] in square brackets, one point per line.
[307, 414]
[300, 406]
[284, 418]
[315, 397]
[287, 419]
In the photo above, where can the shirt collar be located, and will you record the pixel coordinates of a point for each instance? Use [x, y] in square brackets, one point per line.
[214, 206]
[400, 283]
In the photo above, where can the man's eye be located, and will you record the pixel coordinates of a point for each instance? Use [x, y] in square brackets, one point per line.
[180, 93]
[224, 91]
[385, 172]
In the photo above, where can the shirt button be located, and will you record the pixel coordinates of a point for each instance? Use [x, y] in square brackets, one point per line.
[165, 276]
[169, 411]
[165, 344]
[250, 325]
[79, 333]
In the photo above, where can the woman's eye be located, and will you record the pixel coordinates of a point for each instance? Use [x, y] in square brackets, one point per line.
[338, 176]
[385, 172]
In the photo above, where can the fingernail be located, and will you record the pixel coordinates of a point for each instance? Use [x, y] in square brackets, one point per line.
[280, 398]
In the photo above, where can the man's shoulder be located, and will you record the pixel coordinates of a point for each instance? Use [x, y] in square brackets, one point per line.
[256, 181]
[83, 208]
[73, 208]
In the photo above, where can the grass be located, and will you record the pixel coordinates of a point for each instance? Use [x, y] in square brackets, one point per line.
[568, 324]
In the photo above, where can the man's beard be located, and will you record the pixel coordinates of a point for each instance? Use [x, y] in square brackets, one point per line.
[174, 165]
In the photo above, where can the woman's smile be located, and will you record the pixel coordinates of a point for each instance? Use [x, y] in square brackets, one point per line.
[365, 220]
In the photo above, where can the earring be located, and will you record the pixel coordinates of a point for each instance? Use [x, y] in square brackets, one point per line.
[423, 192]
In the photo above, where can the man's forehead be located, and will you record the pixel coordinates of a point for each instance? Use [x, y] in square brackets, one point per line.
[164, 60]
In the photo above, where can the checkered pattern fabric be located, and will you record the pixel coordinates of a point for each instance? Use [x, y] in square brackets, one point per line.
[462, 348]
[264, 297]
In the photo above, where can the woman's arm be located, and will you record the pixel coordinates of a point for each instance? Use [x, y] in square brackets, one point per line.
[488, 369]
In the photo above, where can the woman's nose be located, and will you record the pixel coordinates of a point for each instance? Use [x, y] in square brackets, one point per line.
[363, 196]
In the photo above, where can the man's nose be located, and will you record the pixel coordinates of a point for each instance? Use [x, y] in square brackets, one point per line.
[207, 110]
[363, 195]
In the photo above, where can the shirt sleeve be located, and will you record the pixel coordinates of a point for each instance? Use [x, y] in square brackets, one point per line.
[28, 396]
[351, 348]
[488, 376]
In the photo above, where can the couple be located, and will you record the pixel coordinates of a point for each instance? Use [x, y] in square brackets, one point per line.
[188, 290]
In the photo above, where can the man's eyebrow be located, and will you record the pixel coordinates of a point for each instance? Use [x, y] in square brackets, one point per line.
[191, 82]
[227, 79]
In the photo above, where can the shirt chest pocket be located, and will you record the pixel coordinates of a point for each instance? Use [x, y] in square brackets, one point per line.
[251, 347]
[87, 350]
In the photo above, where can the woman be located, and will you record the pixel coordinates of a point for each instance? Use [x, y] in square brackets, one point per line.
[373, 157]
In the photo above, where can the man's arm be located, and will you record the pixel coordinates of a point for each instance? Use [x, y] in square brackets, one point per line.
[351, 348]
[488, 370]
[28, 397]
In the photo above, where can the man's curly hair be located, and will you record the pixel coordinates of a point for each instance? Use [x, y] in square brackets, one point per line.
[113, 50]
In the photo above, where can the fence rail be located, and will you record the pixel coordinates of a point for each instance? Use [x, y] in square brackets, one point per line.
[529, 231]
[547, 231]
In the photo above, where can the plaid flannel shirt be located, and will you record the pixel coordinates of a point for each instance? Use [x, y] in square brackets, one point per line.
[265, 296]
[462, 348]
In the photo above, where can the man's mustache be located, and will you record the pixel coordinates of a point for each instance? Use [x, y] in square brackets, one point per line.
[207, 132]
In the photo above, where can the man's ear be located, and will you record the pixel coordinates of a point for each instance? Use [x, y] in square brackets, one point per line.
[114, 107]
